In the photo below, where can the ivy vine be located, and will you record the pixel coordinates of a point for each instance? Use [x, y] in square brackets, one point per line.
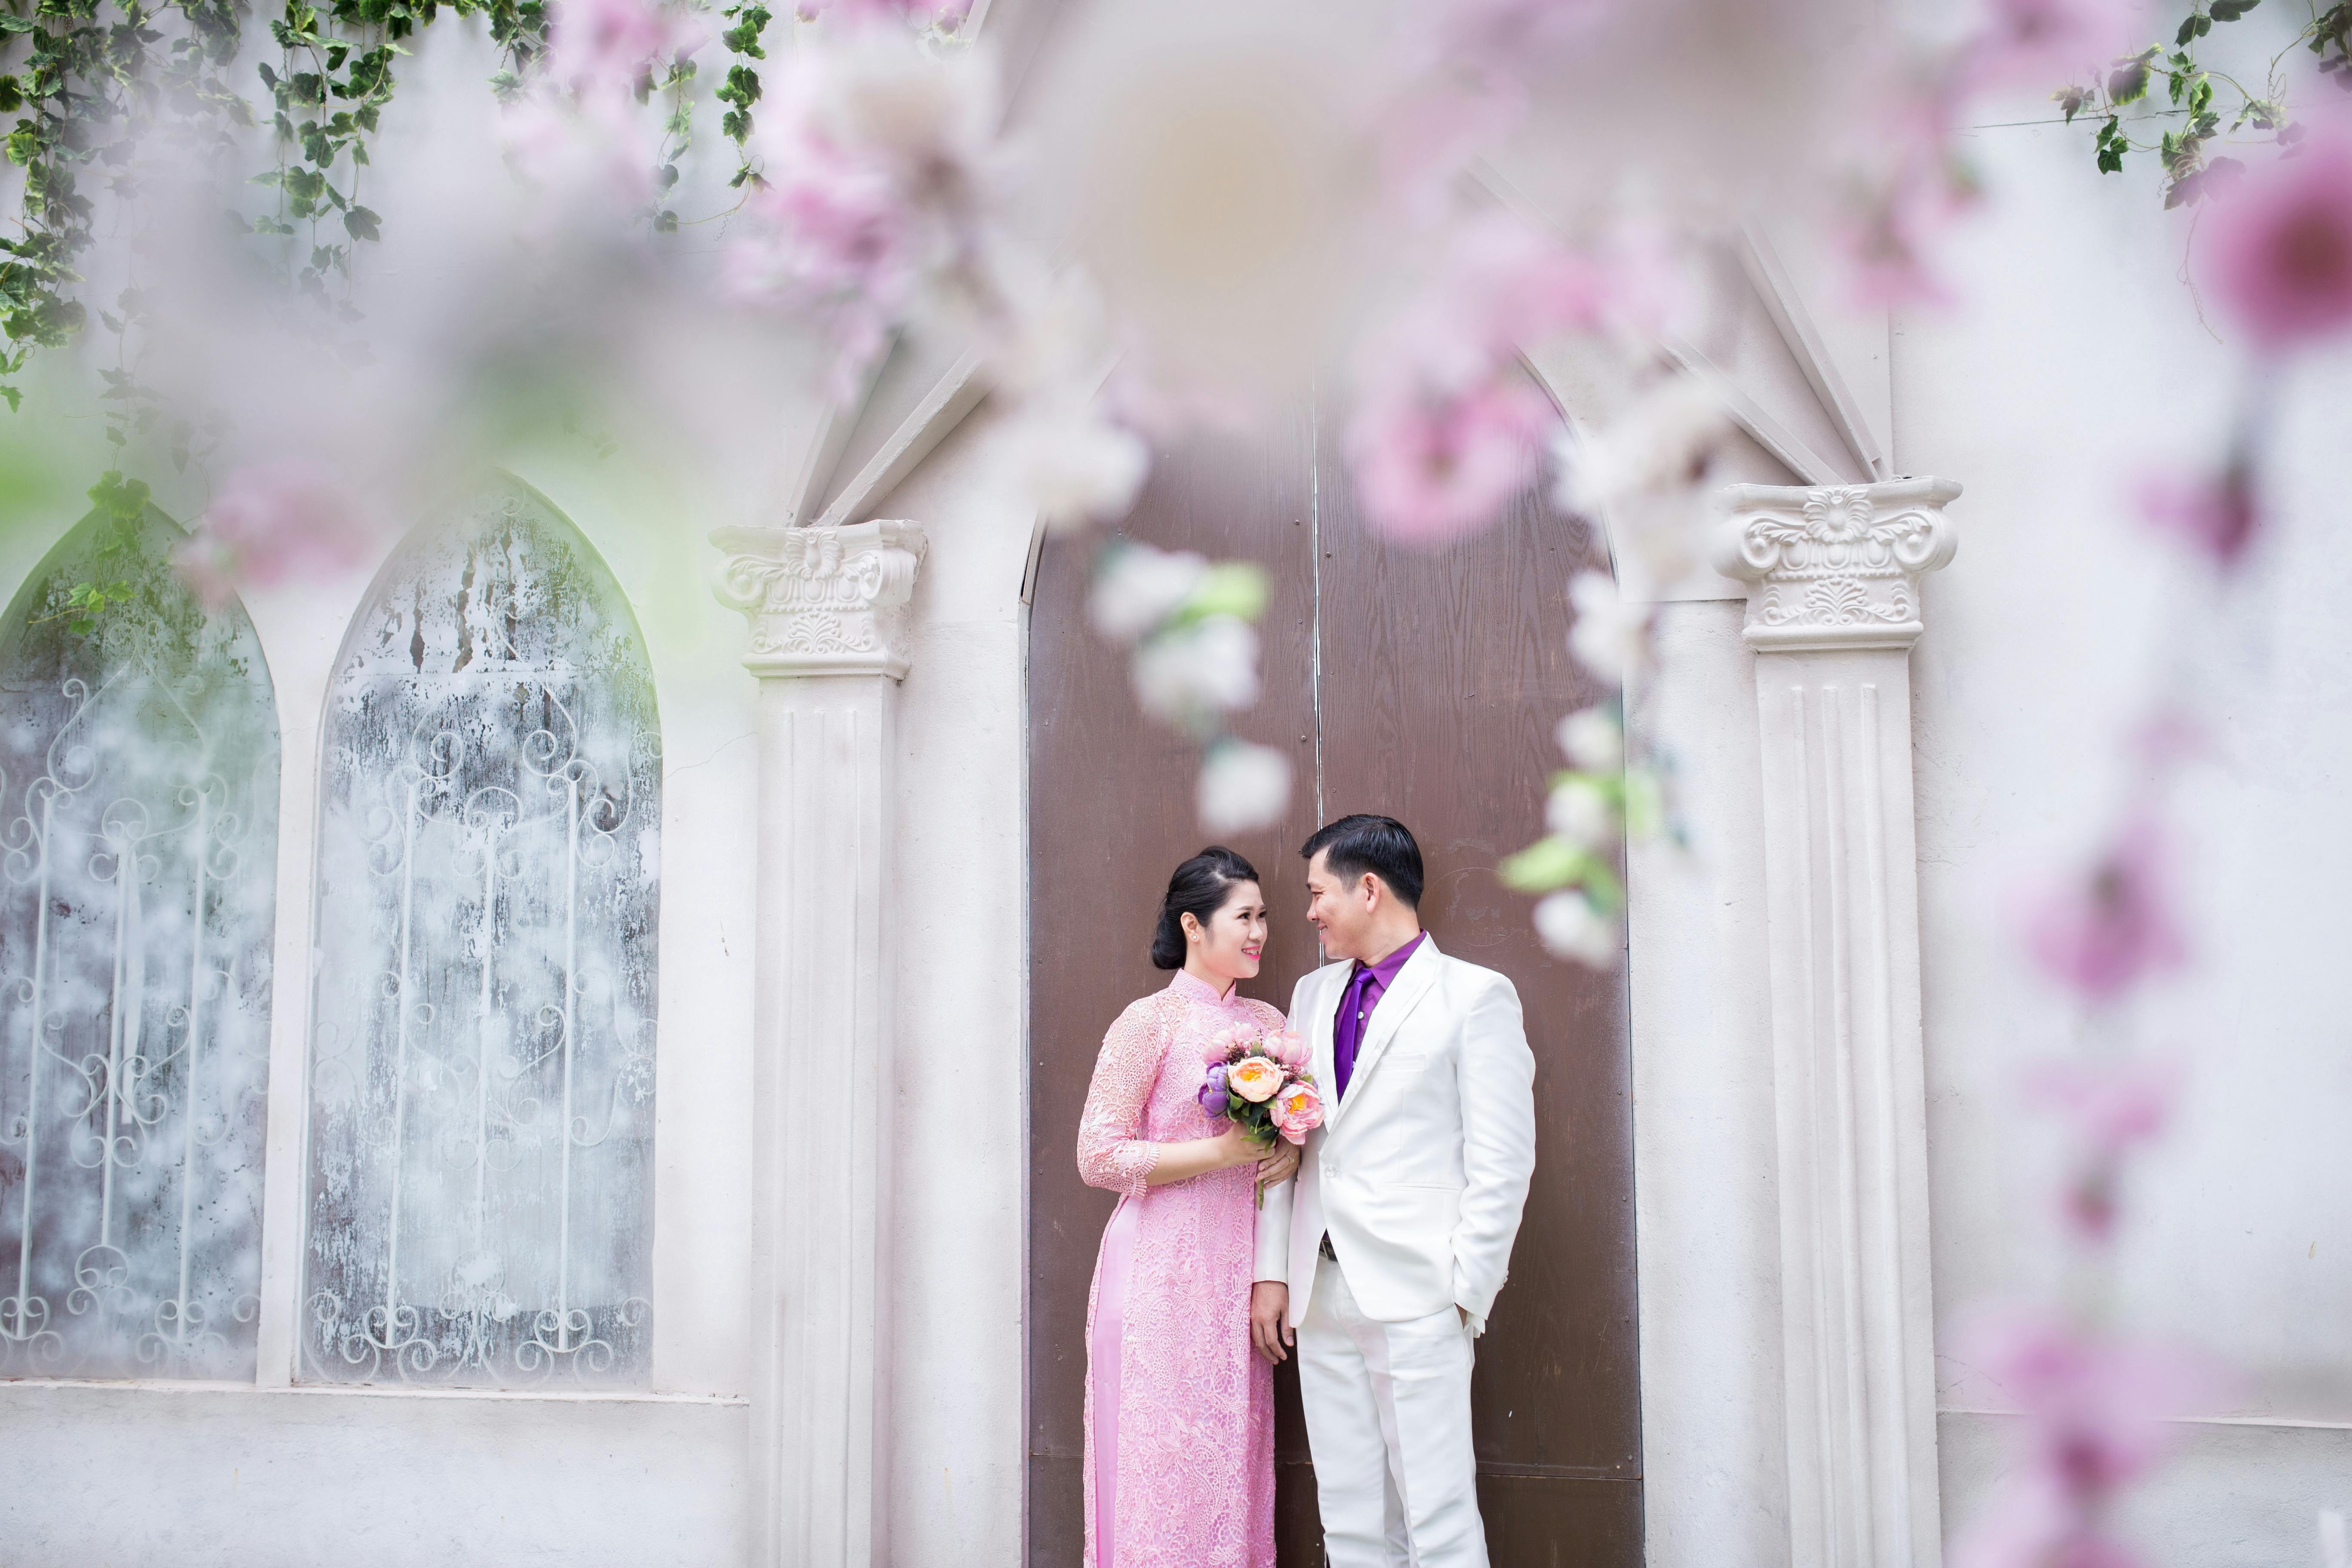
[2208, 108]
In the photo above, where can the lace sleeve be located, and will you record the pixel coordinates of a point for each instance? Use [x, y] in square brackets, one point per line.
[1109, 1154]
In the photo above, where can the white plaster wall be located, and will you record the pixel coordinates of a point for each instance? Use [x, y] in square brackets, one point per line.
[2078, 363]
[962, 876]
[1707, 1243]
[128, 1475]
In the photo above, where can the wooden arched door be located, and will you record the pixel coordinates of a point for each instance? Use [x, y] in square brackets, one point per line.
[1426, 686]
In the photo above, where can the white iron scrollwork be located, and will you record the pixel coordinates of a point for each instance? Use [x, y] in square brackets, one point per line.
[482, 1068]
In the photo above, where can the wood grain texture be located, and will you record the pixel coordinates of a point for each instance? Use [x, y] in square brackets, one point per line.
[1110, 815]
[1441, 676]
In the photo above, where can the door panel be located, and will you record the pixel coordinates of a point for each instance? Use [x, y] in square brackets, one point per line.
[1440, 678]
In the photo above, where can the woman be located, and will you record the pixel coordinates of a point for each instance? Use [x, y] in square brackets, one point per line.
[1180, 1411]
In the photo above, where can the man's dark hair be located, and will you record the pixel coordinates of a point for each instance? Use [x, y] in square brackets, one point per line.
[1380, 844]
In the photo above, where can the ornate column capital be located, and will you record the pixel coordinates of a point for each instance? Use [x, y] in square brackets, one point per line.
[823, 600]
[1835, 566]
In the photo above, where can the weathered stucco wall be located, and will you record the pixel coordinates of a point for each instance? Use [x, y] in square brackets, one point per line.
[2077, 365]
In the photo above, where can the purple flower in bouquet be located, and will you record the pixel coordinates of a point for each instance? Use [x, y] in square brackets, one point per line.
[1213, 1090]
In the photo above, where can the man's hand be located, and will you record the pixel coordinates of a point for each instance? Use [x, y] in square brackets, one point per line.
[1269, 1305]
[1278, 1166]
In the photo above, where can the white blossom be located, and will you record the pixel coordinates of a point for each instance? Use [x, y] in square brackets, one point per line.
[1578, 811]
[1139, 587]
[1608, 631]
[1243, 787]
[1209, 666]
[1572, 927]
[1661, 443]
[1590, 738]
[1070, 464]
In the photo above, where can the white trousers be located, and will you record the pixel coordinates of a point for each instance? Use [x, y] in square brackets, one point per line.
[1388, 1414]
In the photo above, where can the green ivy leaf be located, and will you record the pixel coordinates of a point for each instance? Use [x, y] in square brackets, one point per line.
[359, 223]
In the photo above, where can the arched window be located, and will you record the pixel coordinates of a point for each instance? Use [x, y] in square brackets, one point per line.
[137, 869]
[480, 1198]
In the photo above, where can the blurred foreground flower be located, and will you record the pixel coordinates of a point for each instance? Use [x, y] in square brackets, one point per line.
[2215, 515]
[1591, 738]
[1065, 459]
[608, 49]
[1571, 926]
[1446, 428]
[879, 192]
[1243, 787]
[2278, 247]
[2110, 1109]
[270, 522]
[2110, 925]
[1610, 633]
[2095, 1414]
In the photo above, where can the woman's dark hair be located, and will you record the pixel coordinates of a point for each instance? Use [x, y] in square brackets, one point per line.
[1199, 889]
[1380, 844]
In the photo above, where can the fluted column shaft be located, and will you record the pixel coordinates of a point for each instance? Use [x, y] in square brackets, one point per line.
[1833, 611]
[827, 607]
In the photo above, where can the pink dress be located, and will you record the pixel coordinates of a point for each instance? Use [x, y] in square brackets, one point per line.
[1179, 1409]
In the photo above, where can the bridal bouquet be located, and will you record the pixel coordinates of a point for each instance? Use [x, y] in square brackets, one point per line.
[1260, 1080]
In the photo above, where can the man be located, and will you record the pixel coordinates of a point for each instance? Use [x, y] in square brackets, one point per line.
[1382, 1262]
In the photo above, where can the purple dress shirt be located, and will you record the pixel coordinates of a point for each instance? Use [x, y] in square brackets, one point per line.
[1366, 986]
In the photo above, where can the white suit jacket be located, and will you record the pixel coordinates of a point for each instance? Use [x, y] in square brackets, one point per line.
[1421, 1171]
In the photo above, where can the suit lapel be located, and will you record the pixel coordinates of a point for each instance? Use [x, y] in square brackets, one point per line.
[1413, 983]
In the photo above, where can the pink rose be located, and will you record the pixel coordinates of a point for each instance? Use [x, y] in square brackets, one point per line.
[1255, 1078]
[1290, 1049]
[1297, 1111]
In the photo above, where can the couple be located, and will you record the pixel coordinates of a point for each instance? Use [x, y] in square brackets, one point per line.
[1375, 1257]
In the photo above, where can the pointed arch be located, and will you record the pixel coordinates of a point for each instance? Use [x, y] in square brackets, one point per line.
[139, 777]
[479, 1208]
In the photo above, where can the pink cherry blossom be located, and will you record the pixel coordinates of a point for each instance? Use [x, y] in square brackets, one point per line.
[1429, 471]
[2094, 1413]
[880, 174]
[2277, 250]
[2217, 515]
[2110, 1108]
[2110, 925]
[604, 47]
[2044, 44]
[1446, 431]
[270, 522]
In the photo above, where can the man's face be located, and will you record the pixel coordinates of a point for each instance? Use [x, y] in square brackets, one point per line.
[1339, 908]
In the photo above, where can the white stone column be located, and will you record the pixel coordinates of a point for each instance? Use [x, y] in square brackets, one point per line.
[1833, 611]
[828, 608]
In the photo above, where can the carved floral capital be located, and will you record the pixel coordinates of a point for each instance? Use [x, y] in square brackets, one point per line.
[1835, 566]
[823, 600]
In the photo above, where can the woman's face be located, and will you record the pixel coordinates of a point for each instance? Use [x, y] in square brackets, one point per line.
[1230, 944]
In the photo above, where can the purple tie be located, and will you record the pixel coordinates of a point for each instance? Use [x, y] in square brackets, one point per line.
[1346, 1031]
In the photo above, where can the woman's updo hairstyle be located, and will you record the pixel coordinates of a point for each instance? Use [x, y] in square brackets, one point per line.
[1198, 888]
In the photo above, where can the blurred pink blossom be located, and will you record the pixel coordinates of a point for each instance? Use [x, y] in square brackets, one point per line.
[269, 522]
[2110, 925]
[2044, 44]
[1914, 189]
[2111, 1108]
[604, 47]
[2094, 1413]
[1430, 470]
[2214, 514]
[2277, 251]
[878, 176]
[1446, 429]
[947, 17]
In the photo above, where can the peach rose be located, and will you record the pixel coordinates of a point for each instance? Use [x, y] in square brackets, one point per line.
[1255, 1078]
[1297, 1111]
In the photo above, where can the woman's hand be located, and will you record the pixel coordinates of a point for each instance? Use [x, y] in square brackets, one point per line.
[1278, 1166]
[1236, 1147]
